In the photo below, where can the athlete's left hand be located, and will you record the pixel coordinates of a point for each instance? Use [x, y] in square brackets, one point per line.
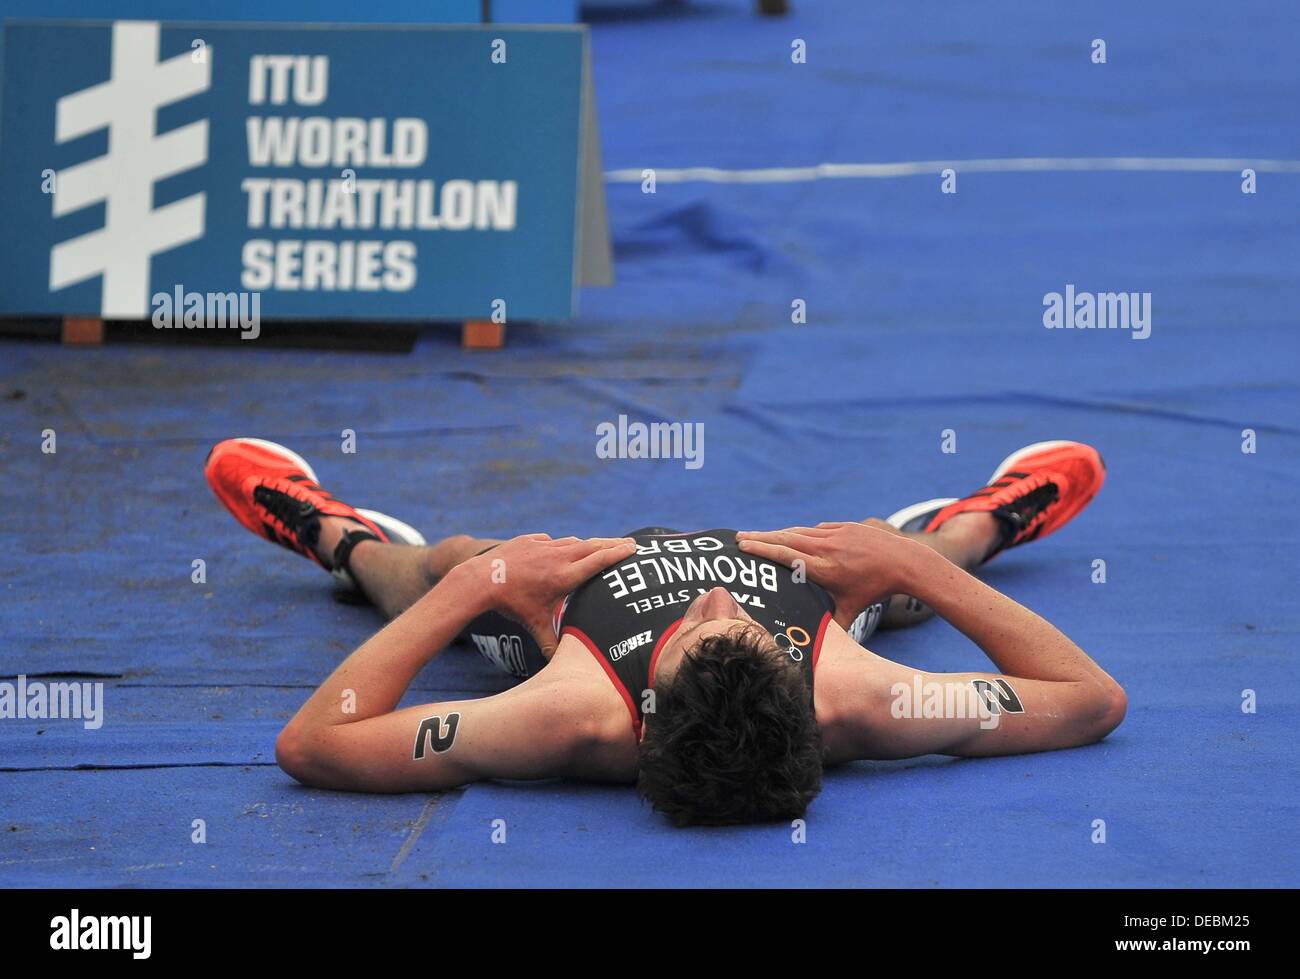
[857, 563]
[527, 577]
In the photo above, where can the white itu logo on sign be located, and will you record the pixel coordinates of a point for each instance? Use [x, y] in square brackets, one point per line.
[123, 178]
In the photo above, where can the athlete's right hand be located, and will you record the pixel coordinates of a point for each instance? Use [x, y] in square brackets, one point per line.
[857, 563]
[527, 577]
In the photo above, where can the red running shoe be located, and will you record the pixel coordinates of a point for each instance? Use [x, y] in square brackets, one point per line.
[1034, 492]
[274, 493]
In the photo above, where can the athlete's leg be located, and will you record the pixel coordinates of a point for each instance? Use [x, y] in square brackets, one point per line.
[1033, 493]
[964, 540]
[274, 493]
[394, 576]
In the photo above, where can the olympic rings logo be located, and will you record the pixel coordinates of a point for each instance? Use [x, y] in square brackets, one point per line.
[793, 642]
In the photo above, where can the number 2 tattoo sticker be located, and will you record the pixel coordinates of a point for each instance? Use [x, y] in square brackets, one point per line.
[431, 733]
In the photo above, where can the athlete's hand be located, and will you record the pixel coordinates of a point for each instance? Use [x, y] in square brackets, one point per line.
[857, 563]
[528, 576]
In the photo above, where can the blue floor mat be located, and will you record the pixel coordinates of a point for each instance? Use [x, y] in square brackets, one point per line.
[923, 315]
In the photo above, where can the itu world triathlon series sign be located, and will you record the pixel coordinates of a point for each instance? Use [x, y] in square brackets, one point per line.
[336, 172]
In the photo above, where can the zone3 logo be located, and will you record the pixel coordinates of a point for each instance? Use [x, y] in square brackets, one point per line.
[620, 650]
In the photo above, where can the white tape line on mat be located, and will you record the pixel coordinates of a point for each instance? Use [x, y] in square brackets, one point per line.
[848, 171]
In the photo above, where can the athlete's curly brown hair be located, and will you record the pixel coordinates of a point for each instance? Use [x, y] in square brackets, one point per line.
[732, 738]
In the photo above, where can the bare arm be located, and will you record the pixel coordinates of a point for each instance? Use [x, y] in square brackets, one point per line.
[1019, 642]
[349, 736]
[543, 728]
[372, 680]
[1050, 693]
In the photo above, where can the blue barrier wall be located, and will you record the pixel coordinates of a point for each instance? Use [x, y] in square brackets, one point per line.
[480, 211]
[303, 11]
